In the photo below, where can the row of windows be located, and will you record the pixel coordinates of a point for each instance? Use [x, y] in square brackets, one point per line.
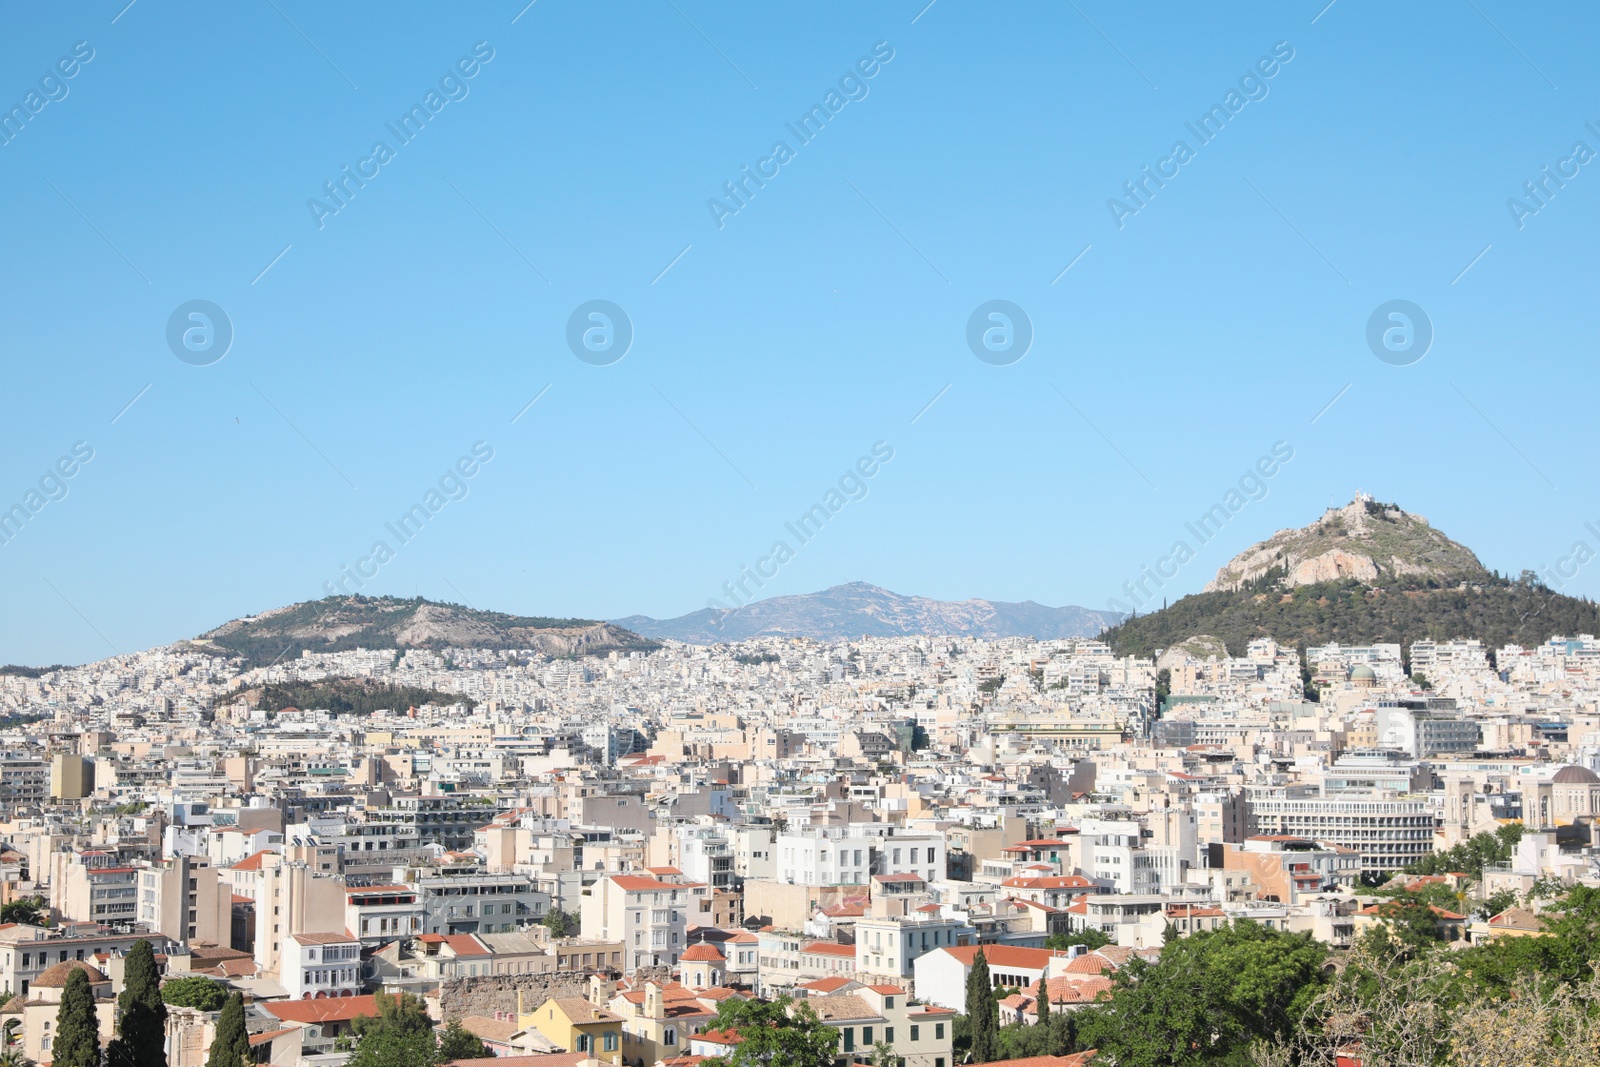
[847, 1036]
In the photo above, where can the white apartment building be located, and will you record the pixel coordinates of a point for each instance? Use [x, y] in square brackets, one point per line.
[648, 915]
[1387, 831]
[753, 852]
[320, 965]
[888, 946]
[706, 854]
[379, 914]
[851, 855]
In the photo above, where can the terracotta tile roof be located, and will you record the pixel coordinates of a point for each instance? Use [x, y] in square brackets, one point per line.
[56, 977]
[1008, 956]
[826, 985]
[702, 952]
[718, 1037]
[267, 1035]
[1077, 1059]
[838, 1007]
[827, 948]
[634, 883]
[251, 862]
[552, 1059]
[329, 1009]
[482, 1026]
[581, 1011]
[323, 939]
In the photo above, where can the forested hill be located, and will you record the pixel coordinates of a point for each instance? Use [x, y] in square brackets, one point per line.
[1495, 611]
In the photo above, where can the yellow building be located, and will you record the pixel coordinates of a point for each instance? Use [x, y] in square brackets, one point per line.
[71, 776]
[576, 1025]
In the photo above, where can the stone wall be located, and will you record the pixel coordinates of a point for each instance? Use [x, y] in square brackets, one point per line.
[493, 993]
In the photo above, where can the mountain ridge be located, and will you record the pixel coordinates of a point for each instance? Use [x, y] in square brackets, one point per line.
[341, 623]
[857, 609]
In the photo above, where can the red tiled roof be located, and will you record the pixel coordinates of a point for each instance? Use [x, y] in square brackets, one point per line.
[1008, 956]
[634, 883]
[329, 1009]
[702, 952]
[826, 985]
[828, 948]
[267, 1035]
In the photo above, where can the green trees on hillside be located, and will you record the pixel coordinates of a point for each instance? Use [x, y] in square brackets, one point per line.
[776, 1033]
[195, 991]
[1209, 997]
[1472, 855]
[1347, 611]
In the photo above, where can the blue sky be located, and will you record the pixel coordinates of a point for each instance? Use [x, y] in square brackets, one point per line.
[769, 354]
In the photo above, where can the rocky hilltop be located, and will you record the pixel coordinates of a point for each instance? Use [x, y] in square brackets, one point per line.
[1363, 573]
[858, 609]
[1372, 543]
[337, 624]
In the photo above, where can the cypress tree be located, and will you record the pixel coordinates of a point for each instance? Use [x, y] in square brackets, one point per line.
[1042, 1006]
[77, 1038]
[231, 1046]
[983, 1014]
[141, 1013]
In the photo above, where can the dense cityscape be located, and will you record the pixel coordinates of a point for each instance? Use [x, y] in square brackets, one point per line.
[901, 849]
[694, 534]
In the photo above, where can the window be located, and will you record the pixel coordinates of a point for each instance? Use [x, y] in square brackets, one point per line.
[611, 1041]
[866, 1035]
[583, 1042]
[888, 1034]
[916, 1032]
[849, 1039]
[669, 1036]
[938, 1035]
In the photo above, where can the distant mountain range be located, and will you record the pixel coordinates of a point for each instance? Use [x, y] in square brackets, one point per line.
[858, 609]
[1364, 573]
[337, 624]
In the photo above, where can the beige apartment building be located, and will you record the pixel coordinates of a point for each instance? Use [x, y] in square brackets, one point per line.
[188, 897]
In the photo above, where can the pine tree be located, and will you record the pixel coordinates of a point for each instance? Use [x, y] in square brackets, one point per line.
[231, 1046]
[983, 1014]
[459, 1043]
[141, 1039]
[77, 1038]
